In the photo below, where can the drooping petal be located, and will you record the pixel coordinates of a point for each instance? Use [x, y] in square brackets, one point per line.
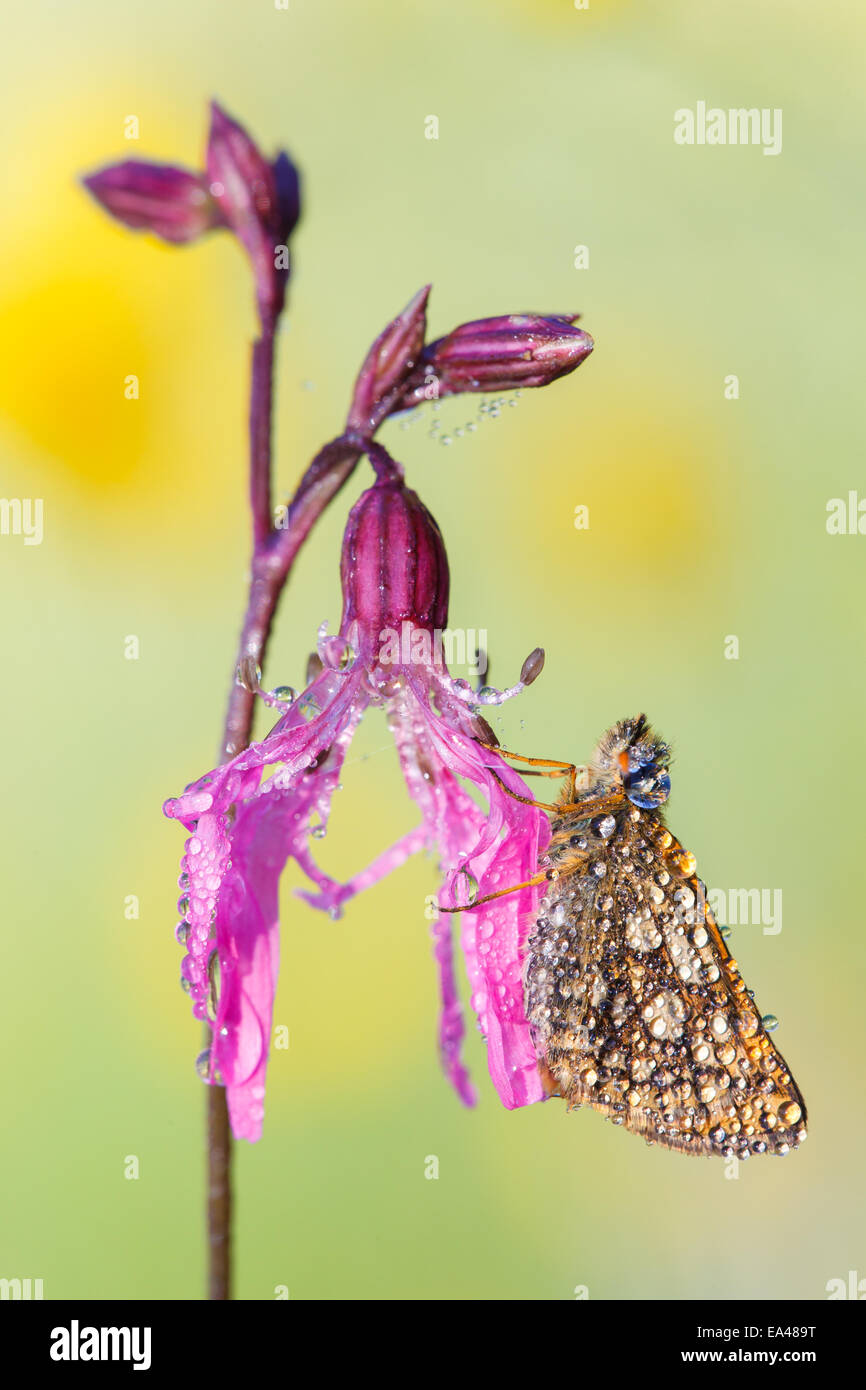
[332, 895]
[511, 838]
[269, 829]
[451, 1026]
[452, 822]
[232, 868]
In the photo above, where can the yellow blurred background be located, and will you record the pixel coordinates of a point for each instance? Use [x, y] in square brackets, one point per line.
[707, 520]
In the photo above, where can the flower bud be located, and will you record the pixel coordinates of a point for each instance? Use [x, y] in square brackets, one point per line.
[387, 366]
[394, 569]
[159, 198]
[259, 201]
[498, 354]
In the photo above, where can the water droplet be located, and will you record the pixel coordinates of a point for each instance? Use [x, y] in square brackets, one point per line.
[181, 933]
[603, 827]
[183, 881]
[185, 984]
[202, 1064]
[213, 970]
[470, 883]
[770, 1022]
[446, 439]
[183, 906]
[248, 674]
[284, 694]
[726, 932]
[336, 653]
[319, 832]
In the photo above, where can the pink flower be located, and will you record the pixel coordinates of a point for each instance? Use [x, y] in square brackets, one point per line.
[243, 829]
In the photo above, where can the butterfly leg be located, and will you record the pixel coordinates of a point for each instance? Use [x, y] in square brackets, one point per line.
[557, 768]
[554, 767]
[594, 806]
[488, 897]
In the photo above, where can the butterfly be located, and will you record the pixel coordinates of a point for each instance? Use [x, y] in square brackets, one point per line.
[636, 1006]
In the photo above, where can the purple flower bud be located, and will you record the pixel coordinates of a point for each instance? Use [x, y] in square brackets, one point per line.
[388, 364]
[498, 354]
[393, 568]
[259, 201]
[159, 198]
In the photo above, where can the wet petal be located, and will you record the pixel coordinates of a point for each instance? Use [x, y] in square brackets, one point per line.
[233, 868]
[506, 850]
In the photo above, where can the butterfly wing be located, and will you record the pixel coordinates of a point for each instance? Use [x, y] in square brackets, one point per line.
[637, 1006]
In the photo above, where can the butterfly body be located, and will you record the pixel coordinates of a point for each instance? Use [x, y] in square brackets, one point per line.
[636, 1005]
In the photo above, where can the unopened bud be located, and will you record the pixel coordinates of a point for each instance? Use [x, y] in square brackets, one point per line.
[259, 201]
[160, 198]
[394, 569]
[499, 354]
[388, 364]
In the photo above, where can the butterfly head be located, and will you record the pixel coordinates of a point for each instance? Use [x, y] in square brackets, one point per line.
[632, 758]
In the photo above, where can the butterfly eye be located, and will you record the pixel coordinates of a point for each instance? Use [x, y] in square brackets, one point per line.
[647, 787]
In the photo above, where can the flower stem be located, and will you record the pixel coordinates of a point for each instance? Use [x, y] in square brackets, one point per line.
[219, 1195]
[261, 406]
[274, 550]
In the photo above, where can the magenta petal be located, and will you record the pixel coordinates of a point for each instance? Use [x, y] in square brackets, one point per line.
[232, 871]
[247, 931]
[506, 852]
[451, 1015]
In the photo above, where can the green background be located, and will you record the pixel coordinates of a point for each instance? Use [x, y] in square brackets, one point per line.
[707, 519]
